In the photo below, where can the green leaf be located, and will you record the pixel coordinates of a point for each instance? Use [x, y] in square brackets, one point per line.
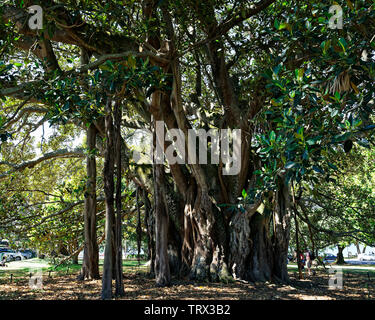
[277, 24]
[285, 25]
[244, 194]
[109, 63]
[272, 136]
[317, 169]
[331, 165]
[343, 44]
[341, 137]
[277, 69]
[290, 165]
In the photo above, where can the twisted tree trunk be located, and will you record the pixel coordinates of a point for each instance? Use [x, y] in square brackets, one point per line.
[256, 252]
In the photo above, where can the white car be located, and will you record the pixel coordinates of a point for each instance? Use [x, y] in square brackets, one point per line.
[366, 257]
[27, 254]
[13, 255]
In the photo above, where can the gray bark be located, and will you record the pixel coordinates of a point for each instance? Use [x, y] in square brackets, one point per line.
[162, 271]
[90, 265]
[119, 269]
[108, 173]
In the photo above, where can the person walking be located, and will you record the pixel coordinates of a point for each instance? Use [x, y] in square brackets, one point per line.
[309, 259]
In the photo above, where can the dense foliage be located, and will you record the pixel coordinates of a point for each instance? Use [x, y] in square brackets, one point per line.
[301, 92]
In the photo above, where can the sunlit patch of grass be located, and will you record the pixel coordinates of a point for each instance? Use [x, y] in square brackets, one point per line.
[49, 271]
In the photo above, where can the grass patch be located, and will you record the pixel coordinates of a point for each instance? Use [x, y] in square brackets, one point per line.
[351, 271]
[20, 271]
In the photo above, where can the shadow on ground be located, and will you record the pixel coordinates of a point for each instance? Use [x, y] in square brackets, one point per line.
[139, 286]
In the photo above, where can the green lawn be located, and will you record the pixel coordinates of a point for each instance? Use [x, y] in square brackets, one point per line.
[359, 270]
[20, 270]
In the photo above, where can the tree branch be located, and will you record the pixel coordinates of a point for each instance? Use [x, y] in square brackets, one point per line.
[63, 153]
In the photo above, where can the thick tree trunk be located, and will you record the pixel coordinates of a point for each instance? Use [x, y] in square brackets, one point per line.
[162, 271]
[250, 247]
[205, 234]
[200, 220]
[340, 256]
[108, 173]
[90, 265]
[119, 269]
[281, 236]
[254, 254]
[204, 249]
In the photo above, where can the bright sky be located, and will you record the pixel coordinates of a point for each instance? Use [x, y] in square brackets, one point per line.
[38, 134]
[352, 249]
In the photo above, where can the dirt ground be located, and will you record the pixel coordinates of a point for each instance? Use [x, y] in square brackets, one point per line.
[141, 287]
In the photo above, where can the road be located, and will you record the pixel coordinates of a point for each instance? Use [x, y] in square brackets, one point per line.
[357, 262]
[352, 264]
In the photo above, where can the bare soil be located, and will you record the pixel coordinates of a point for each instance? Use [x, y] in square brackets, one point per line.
[140, 287]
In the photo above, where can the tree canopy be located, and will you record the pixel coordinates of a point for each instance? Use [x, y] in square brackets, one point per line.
[300, 91]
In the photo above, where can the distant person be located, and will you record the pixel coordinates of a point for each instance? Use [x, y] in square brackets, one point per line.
[3, 260]
[294, 255]
[309, 259]
[302, 260]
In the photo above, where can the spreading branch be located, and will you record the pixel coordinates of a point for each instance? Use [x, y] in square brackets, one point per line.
[63, 153]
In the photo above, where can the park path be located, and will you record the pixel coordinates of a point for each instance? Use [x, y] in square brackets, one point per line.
[359, 267]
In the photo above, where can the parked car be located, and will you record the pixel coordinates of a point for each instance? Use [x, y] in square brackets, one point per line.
[4, 243]
[27, 254]
[12, 255]
[330, 257]
[366, 257]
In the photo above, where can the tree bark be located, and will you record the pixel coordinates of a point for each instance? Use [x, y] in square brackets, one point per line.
[251, 248]
[281, 222]
[119, 269]
[150, 227]
[162, 271]
[255, 255]
[340, 256]
[139, 227]
[358, 248]
[108, 173]
[298, 250]
[90, 265]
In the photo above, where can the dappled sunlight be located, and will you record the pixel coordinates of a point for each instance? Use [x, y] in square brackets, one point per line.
[138, 286]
